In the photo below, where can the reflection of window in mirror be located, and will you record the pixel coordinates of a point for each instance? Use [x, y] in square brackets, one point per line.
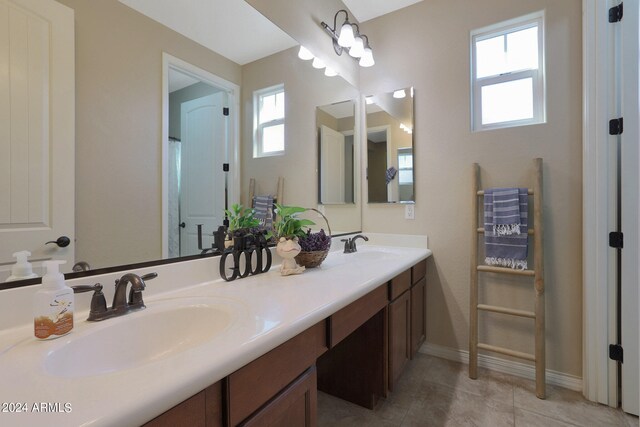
[268, 121]
[405, 174]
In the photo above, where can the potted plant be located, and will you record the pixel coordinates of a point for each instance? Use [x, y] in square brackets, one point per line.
[241, 222]
[288, 228]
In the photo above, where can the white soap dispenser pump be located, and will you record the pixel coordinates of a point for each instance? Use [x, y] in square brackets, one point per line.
[22, 268]
[53, 304]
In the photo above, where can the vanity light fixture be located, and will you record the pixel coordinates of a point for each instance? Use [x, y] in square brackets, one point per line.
[399, 94]
[349, 37]
[305, 54]
[330, 72]
[318, 63]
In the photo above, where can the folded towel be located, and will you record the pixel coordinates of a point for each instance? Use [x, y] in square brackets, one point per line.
[506, 213]
[263, 206]
[390, 174]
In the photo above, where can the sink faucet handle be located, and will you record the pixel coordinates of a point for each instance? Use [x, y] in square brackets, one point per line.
[149, 276]
[98, 301]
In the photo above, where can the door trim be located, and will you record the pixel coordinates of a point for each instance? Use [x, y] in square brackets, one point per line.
[233, 154]
[596, 254]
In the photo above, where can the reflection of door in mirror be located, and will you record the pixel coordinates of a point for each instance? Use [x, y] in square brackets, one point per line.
[196, 152]
[377, 140]
[36, 131]
[336, 124]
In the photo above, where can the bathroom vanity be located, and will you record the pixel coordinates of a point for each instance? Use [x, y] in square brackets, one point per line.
[361, 351]
[347, 328]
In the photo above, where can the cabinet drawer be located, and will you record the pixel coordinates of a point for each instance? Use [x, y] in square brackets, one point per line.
[399, 284]
[253, 385]
[344, 322]
[295, 406]
[190, 413]
[418, 271]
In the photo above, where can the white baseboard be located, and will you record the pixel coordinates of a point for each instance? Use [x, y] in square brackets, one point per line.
[505, 366]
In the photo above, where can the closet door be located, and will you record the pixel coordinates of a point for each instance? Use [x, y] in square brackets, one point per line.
[37, 120]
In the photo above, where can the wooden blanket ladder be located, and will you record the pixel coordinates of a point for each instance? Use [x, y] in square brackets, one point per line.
[537, 273]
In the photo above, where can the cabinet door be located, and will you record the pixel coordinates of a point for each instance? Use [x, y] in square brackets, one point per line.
[418, 315]
[399, 340]
[190, 413]
[295, 406]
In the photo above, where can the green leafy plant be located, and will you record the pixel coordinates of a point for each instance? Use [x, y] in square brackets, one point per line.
[241, 218]
[287, 223]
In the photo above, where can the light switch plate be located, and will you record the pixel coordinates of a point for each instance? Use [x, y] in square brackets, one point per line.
[409, 212]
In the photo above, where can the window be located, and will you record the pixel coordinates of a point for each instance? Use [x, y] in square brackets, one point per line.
[507, 74]
[268, 121]
[405, 166]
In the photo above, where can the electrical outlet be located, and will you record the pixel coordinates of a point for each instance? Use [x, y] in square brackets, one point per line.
[409, 212]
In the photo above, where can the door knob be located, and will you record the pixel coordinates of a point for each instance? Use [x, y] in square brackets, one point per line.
[182, 224]
[62, 242]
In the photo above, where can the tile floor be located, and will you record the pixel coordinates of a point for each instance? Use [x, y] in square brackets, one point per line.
[437, 392]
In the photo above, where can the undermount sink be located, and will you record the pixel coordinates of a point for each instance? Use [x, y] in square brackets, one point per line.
[165, 328]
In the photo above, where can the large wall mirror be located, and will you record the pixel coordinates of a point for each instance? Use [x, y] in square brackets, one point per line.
[336, 161]
[119, 142]
[390, 166]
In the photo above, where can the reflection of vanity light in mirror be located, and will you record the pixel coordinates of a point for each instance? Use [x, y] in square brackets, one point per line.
[390, 167]
[305, 54]
[336, 124]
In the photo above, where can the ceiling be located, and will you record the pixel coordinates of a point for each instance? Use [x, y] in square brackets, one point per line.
[236, 30]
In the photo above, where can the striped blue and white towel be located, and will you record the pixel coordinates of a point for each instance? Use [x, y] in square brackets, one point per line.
[506, 212]
[263, 206]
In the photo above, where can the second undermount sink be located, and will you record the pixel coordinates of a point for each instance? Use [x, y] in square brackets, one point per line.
[164, 329]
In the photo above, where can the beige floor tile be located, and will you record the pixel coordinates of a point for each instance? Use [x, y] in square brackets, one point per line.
[441, 405]
[566, 405]
[490, 385]
[531, 419]
[632, 420]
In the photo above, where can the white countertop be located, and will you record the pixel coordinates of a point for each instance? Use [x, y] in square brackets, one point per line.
[268, 309]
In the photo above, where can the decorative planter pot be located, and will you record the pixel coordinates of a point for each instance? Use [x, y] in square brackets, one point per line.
[288, 249]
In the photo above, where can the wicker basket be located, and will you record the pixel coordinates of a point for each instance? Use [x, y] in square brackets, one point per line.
[311, 259]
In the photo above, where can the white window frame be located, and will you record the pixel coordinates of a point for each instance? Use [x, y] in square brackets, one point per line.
[401, 152]
[537, 76]
[258, 128]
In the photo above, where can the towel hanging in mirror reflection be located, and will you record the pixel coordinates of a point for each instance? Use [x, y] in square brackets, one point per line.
[390, 174]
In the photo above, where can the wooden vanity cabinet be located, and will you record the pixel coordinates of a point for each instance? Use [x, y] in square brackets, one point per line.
[296, 405]
[272, 376]
[418, 306]
[399, 325]
[201, 410]
[407, 318]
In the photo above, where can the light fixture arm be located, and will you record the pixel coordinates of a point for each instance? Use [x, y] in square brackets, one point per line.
[335, 36]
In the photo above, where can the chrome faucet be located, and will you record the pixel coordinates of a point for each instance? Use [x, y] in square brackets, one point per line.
[121, 305]
[350, 244]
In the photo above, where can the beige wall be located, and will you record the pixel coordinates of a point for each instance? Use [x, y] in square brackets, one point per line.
[305, 88]
[118, 128]
[427, 45]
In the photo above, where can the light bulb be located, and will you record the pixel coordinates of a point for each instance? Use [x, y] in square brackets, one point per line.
[346, 35]
[329, 72]
[367, 58]
[357, 49]
[368, 100]
[304, 53]
[318, 63]
[399, 94]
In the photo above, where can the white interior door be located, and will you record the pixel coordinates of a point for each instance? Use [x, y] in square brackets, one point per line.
[630, 189]
[332, 171]
[202, 184]
[37, 128]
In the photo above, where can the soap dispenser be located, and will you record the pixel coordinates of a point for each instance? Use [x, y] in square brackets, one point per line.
[22, 268]
[53, 304]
